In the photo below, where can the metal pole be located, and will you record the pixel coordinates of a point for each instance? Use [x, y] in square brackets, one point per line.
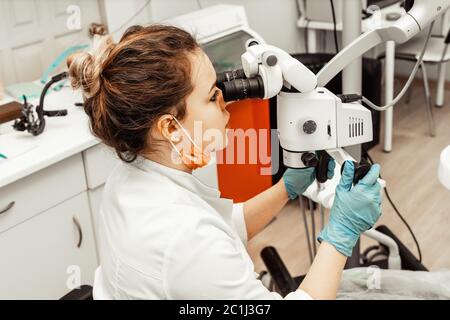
[305, 223]
[313, 226]
[389, 95]
[351, 29]
[352, 78]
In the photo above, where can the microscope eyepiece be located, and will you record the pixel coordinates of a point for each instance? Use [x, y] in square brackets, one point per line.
[240, 89]
[236, 86]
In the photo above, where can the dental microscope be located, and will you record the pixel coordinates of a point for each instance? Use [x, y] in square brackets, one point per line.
[313, 123]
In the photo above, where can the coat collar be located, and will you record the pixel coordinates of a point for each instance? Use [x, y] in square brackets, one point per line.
[181, 178]
[224, 207]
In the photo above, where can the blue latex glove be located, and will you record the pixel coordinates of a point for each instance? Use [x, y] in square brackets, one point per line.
[354, 210]
[297, 181]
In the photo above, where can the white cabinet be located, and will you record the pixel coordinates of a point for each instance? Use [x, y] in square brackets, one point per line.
[40, 191]
[47, 226]
[42, 256]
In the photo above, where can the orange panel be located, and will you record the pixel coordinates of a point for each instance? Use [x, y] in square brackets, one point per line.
[242, 180]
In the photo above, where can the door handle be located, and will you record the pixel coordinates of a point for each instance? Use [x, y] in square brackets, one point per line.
[8, 207]
[80, 231]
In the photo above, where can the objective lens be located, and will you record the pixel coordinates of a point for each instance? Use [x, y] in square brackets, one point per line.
[240, 89]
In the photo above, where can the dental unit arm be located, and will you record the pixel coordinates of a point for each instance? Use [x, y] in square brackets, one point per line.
[420, 13]
[310, 118]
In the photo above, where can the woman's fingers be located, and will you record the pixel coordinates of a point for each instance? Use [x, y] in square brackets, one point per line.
[372, 176]
[347, 176]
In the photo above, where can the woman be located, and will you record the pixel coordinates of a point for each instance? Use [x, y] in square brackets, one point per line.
[162, 233]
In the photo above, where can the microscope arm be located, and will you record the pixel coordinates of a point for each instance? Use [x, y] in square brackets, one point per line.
[421, 14]
[362, 44]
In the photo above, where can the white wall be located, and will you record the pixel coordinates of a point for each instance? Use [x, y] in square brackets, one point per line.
[274, 20]
[118, 15]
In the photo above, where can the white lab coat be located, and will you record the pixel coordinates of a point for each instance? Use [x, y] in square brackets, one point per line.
[163, 234]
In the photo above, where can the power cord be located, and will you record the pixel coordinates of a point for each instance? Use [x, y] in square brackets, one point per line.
[299, 11]
[408, 83]
[306, 37]
[397, 211]
[333, 12]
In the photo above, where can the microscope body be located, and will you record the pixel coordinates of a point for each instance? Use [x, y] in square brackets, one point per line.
[311, 120]
[318, 120]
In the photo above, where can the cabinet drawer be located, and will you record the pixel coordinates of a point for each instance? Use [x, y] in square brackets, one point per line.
[41, 191]
[99, 161]
[40, 257]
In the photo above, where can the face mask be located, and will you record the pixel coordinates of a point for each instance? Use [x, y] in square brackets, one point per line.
[196, 157]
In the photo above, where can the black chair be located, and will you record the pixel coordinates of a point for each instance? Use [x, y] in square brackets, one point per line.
[83, 293]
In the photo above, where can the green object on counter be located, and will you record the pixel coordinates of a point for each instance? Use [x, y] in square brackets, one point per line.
[2, 156]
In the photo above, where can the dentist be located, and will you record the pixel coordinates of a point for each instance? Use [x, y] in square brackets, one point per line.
[162, 233]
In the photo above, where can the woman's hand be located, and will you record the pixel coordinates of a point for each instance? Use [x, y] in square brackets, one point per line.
[297, 181]
[354, 210]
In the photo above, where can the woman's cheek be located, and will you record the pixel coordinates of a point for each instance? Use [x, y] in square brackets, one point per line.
[215, 139]
[225, 139]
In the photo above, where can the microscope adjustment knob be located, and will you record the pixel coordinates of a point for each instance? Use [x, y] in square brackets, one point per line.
[309, 159]
[309, 127]
[361, 169]
[271, 60]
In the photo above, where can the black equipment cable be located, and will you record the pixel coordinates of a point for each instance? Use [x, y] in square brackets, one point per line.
[306, 37]
[333, 12]
[398, 212]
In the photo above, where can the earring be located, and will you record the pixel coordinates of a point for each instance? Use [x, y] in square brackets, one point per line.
[175, 137]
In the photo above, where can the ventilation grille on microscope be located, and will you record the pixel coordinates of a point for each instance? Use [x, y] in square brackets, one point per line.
[355, 127]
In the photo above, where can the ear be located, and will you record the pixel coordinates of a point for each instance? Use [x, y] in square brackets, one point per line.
[166, 126]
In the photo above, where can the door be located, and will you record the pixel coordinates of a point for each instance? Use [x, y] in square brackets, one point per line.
[34, 32]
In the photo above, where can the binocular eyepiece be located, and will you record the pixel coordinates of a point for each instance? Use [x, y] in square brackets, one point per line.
[236, 86]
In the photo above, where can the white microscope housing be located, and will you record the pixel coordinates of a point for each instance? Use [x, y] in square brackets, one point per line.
[322, 122]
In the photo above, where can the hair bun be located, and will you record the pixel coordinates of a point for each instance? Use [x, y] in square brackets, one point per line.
[85, 68]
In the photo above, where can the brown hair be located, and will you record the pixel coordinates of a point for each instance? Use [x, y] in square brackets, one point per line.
[127, 86]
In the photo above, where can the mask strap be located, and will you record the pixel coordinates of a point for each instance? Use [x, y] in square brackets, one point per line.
[175, 148]
[187, 133]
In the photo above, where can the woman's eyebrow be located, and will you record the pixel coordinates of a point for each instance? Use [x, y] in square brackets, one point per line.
[213, 85]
